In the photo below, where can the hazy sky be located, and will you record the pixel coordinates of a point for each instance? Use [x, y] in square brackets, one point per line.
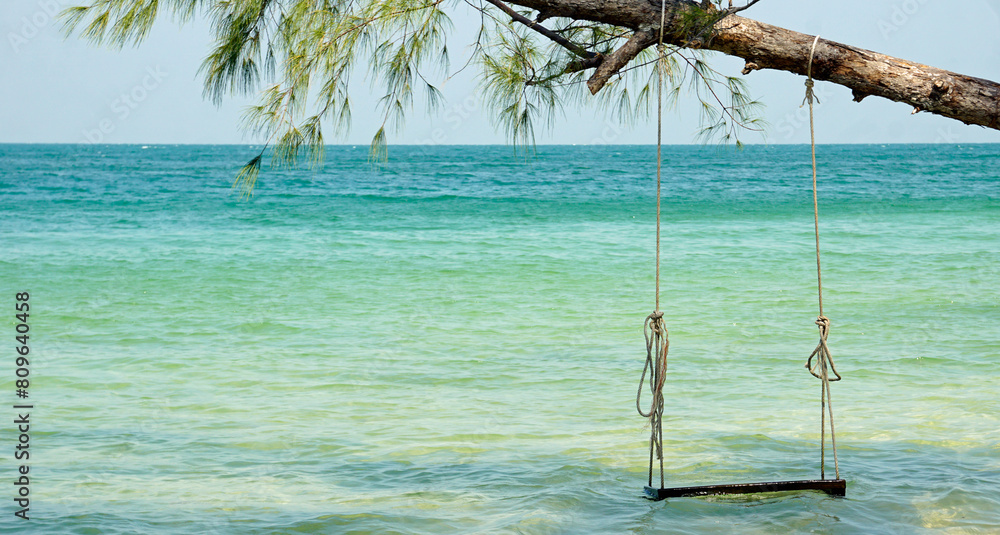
[58, 90]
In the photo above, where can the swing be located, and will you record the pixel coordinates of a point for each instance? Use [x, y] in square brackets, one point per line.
[657, 345]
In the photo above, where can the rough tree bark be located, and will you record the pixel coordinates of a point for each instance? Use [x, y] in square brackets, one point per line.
[763, 46]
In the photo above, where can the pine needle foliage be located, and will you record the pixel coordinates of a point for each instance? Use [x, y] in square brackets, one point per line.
[303, 59]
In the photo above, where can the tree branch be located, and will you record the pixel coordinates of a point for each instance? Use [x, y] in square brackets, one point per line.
[619, 58]
[965, 98]
[584, 64]
[556, 38]
[734, 10]
[763, 46]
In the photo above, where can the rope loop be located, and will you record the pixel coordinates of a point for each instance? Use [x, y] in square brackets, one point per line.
[823, 352]
[810, 84]
[657, 345]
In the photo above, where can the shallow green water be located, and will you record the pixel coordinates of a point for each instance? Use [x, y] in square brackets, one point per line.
[450, 343]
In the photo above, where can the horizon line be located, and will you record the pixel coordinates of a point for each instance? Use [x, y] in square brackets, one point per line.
[355, 145]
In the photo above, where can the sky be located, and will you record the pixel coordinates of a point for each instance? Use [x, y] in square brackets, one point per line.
[63, 90]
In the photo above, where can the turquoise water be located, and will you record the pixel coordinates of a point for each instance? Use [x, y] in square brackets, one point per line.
[450, 343]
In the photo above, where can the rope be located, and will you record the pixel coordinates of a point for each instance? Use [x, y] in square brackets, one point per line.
[653, 329]
[659, 141]
[823, 359]
[812, 138]
[657, 345]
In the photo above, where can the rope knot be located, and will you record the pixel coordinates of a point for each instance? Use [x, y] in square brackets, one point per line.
[656, 324]
[825, 361]
[810, 95]
[824, 326]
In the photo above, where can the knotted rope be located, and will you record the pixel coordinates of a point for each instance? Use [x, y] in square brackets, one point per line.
[654, 329]
[657, 344]
[823, 359]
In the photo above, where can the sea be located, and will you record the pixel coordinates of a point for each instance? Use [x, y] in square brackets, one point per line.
[450, 342]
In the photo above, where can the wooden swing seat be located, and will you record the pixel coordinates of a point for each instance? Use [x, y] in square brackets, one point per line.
[833, 487]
